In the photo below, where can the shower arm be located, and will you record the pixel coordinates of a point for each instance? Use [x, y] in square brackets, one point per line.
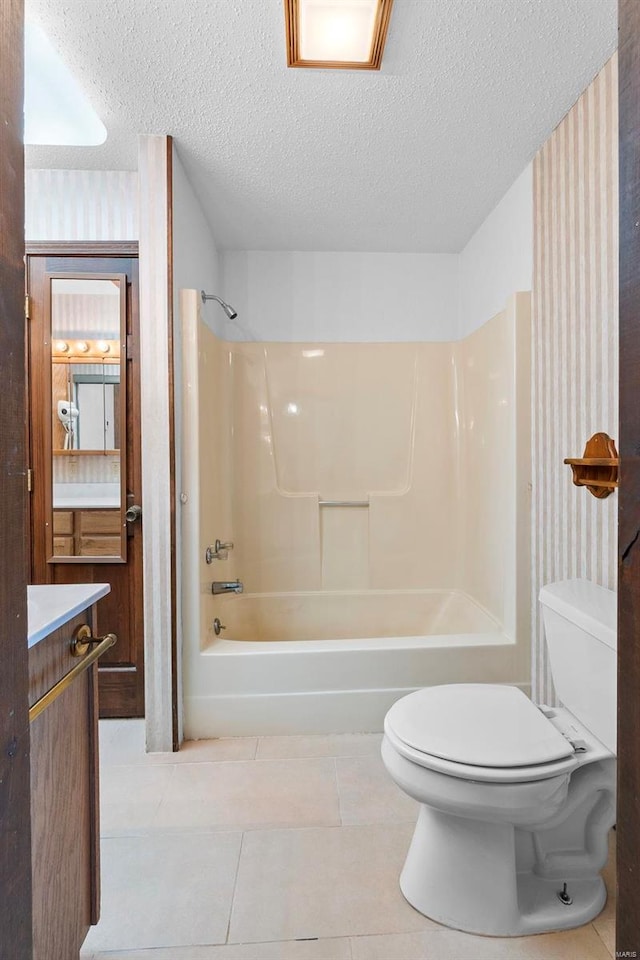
[211, 296]
[228, 309]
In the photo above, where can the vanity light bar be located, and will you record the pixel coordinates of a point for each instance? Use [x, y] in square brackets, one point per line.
[86, 349]
[336, 34]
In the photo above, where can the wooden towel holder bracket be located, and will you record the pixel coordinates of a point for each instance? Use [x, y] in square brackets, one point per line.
[597, 468]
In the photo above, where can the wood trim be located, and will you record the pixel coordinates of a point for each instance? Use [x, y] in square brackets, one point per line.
[94, 781]
[15, 794]
[82, 248]
[175, 721]
[383, 16]
[155, 297]
[628, 828]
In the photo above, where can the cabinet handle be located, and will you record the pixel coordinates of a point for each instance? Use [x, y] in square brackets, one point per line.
[82, 641]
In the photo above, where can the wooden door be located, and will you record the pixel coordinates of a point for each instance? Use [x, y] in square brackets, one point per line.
[85, 464]
[628, 827]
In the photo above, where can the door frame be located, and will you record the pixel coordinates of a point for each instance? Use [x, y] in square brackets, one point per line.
[15, 779]
[628, 828]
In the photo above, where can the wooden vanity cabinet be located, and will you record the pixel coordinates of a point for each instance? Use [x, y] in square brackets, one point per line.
[64, 799]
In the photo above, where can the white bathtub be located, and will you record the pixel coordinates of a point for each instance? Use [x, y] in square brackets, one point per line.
[334, 662]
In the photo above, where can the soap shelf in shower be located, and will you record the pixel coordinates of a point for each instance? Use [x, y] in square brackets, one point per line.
[343, 503]
[597, 468]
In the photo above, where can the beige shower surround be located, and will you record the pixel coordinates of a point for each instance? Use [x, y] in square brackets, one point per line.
[434, 435]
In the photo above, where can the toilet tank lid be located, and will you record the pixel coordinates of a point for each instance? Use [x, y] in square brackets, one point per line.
[591, 607]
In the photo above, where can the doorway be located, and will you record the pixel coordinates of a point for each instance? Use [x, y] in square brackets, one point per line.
[84, 443]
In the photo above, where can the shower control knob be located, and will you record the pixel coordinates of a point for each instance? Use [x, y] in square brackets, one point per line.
[218, 627]
[219, 551]
[223, 545]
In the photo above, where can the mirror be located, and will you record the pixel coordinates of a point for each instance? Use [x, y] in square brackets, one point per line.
[88, 410]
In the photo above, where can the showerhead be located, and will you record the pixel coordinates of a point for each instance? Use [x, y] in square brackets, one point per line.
[230, 312]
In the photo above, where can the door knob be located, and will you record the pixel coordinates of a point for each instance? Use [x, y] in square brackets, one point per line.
[133, 513]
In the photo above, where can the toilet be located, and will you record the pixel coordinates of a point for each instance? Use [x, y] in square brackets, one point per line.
[516, 800]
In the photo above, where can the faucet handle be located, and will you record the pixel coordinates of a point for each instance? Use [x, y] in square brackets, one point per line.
[219, 551]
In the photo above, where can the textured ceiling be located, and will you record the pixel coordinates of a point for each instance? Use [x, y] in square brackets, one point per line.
[410, 158]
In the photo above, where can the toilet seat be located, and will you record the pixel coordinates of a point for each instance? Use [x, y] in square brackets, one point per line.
[484, 732]
[462, 771]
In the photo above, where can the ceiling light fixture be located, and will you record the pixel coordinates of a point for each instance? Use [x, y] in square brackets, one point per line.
[336, 34]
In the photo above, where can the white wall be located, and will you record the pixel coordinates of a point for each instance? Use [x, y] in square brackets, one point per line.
[498, 259]
[81, 205]
[301, 296]
[195, 255]
[283, 295]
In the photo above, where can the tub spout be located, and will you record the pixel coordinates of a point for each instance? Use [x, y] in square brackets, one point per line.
[227, 586]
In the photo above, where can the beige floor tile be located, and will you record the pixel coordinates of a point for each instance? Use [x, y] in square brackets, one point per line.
[369, 795]
[331, 745]
[580, 944]
[606, 930]
[250, 795]
[327, 882]
[206, 751]
[122, 742]
[165, 891]
[335, 949]
[130, 797]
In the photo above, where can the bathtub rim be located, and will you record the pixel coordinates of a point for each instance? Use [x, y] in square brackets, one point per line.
[223, 646]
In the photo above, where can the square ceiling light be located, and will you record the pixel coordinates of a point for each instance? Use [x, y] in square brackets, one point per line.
[336, 34]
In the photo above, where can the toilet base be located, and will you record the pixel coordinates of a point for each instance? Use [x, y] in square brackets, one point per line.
[479, 878]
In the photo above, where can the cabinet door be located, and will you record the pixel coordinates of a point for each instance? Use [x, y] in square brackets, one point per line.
[64, 800]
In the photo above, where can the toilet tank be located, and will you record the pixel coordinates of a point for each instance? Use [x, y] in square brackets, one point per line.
[580, 625]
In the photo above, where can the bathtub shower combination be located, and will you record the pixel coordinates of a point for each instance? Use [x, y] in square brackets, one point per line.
[371, 503]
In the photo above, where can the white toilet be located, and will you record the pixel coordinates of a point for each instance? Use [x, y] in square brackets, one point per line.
[516, 800]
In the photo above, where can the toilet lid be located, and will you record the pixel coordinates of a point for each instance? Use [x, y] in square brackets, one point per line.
[483, 724]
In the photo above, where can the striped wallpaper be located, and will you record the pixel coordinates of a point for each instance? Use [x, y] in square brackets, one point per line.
[81, 205]
[575, 345]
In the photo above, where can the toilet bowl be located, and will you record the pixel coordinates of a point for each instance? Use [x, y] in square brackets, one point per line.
[516, 800]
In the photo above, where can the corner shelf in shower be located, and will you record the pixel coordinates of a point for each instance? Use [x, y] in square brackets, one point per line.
[597, 468]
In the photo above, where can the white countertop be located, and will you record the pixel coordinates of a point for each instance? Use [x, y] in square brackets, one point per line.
[86, 503]
[49, 606]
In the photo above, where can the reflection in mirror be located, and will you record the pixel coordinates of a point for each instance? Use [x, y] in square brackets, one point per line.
[87, 413]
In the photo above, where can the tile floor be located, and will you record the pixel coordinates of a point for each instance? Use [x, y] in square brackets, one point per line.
[274, 848]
